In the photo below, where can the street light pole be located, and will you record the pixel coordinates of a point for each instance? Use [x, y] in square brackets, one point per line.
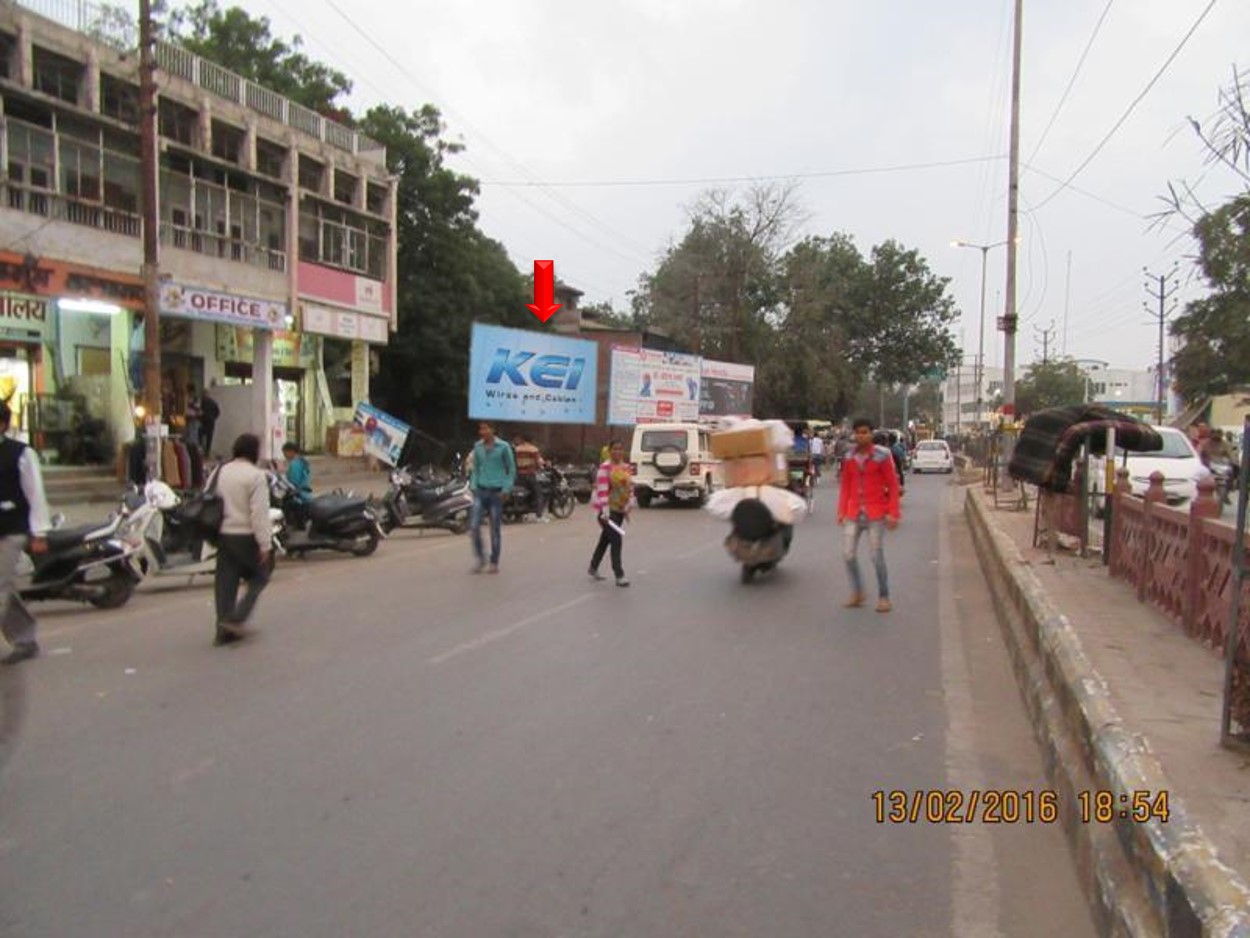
[979, 369]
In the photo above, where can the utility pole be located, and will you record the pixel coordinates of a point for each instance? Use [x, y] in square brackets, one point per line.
[1044, 335]
[150, 169]
[1162, 287]
[1013, 223]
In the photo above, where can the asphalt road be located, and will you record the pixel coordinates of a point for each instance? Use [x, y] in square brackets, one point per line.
[406, 749]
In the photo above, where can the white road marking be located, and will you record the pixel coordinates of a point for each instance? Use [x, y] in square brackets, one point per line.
[491, 637]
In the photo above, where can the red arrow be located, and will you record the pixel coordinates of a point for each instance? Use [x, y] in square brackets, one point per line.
[544, 305]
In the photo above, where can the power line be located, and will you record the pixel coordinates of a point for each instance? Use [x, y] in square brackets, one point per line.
[1071, 81]
[571, 206]
[1136, 101]
[715, 180]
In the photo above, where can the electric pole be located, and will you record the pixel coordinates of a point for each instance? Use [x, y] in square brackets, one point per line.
[150, 171]
[1162, 288]
[1013, 223]
[1045, 336]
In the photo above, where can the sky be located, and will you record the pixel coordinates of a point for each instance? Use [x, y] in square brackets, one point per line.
[594, 127]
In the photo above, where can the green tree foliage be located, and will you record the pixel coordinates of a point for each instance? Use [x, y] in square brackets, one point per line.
[1215, 357]
[450, 274]
[243, 44]
[1055, 383]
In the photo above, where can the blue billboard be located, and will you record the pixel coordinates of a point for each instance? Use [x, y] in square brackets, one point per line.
[515, 374]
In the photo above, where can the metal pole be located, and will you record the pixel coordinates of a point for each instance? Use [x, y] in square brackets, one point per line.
[1013, 224]
[980, 369]
[1232, 636]
[149, 168]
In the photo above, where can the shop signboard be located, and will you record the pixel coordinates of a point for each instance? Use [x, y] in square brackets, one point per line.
[726, 389]
[651, 386]
[345, 324]
[384, 435]
[518, 374]
[24, 317]
[290, 349]
[46, 278]
[188, 302]
[340, 288]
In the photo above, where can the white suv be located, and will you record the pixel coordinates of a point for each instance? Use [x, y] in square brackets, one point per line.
[673, 460]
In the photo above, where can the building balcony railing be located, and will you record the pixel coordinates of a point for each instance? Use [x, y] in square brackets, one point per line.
[118, 29]
[215, 245]
[57, 207]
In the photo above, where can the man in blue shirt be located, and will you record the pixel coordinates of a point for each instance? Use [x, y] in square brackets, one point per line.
[492, 477]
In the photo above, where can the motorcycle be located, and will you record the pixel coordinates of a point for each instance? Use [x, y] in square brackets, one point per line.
[557, 493]
[93, 563]
[334, 521]
[1225, 476]
[419, 501]
[757, 540]
[171, 546]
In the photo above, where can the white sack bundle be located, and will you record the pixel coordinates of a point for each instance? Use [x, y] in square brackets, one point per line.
[783, 505]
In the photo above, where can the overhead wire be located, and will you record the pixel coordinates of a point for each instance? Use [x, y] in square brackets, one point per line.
[1071, 82]
[1132, 106]
[573, 279]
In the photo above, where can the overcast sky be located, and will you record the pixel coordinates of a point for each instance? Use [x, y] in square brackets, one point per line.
[651, 91]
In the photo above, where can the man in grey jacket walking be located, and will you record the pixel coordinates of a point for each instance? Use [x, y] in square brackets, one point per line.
[245, 545]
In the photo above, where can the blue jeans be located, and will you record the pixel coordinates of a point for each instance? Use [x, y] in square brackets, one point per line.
[851, 532]
[491, 501]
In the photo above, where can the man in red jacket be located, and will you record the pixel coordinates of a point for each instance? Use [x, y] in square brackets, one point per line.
[867, 501]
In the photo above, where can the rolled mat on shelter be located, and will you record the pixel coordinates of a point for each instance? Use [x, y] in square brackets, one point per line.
[1051, 439]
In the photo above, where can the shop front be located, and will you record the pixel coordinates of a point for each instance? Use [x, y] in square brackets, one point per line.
[64, 336]
[296, 359]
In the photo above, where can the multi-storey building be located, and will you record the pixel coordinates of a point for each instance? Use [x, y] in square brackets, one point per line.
[277, 238]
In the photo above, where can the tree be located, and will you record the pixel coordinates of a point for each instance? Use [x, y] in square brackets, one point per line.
[1055, 383]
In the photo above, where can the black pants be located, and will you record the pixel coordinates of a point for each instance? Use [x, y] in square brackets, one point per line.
[609, 538]
[206, 435]
[238, 558]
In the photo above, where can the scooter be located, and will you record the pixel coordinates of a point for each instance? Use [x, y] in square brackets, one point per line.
[418, 501]
[757, 540]
[94, 563]
[171, 546]
[342, 522]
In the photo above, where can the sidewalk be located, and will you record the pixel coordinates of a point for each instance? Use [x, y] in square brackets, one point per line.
[1122, 700]
[328, 473]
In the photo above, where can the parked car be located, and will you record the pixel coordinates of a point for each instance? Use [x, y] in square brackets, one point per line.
[1178, 461]
[673, 460]
[932, 456]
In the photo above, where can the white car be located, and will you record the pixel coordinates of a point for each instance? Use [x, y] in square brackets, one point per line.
[932, 456]
[673, 460]
[1178, 461]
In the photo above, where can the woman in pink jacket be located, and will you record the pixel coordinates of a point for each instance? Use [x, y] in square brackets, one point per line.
[612, 503]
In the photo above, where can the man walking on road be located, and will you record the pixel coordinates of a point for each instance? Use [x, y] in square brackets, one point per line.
[23, 517]
[867, 501]
[492, 477]
[246, 540]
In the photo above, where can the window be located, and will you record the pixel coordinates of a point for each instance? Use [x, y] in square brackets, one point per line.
[375, 198]
[341, 238]
[80, 166]
[56, 75]
[8, 46]
[270, 158]
[121, 182]
[119, 99]
[30, 167]
[345, 187]
[227, 142]
[310, 173]
[653, 440]
[178, 122]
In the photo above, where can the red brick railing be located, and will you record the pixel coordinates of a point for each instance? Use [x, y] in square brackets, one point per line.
[1180, 561]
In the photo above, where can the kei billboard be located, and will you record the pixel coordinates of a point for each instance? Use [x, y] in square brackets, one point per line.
[516, 374]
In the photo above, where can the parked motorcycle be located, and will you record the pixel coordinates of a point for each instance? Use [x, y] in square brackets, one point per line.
[1225, 476]
[557, 493]
[335, 521]
[172, 547]
[93, 563]
[416, 500]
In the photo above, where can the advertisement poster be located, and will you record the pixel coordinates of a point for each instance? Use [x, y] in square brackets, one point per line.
[650, 386]
[385, 435]
[726, 390]
[515, 374]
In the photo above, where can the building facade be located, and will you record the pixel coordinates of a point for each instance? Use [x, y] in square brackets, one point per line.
[277, 241]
